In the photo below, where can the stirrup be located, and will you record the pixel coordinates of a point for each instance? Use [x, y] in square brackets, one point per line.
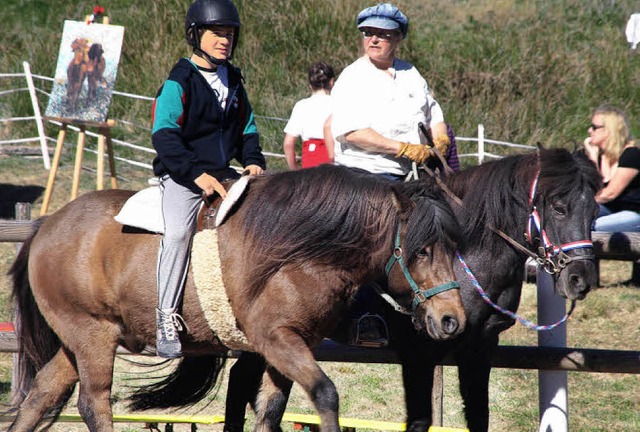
[370, 331]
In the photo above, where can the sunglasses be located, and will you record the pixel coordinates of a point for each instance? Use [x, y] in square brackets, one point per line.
[379, 34]
[596, 127]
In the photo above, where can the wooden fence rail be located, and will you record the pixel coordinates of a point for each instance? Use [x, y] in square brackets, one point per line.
[14, 231]
[506, 356]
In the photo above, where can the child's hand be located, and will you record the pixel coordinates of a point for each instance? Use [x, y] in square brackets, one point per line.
[210, 185]
[253, 170]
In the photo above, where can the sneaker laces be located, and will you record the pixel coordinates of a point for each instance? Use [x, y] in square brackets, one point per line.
[172, 323]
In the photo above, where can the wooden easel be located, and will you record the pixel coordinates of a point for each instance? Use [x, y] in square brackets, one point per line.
[104, 140]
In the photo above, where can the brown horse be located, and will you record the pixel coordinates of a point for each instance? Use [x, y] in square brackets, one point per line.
[293, 251]
[76, 71]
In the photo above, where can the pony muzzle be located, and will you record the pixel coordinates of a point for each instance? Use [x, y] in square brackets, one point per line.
[444, 318]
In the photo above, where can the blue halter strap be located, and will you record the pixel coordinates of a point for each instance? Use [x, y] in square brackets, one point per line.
[420, 295]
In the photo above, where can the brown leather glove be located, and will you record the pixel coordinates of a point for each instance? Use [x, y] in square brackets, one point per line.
[416, 152]
[441, 143]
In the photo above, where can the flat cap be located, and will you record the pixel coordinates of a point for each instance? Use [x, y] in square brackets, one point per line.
[383, 16]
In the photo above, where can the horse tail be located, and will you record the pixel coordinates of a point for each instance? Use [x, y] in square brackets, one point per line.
[37, 343]
[188, 384]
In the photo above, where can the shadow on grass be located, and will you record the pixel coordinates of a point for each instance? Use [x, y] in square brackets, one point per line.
[12, 194]
[5, 394]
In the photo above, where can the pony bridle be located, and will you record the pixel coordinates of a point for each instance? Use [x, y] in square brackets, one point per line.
[550, 257]
[420, 295]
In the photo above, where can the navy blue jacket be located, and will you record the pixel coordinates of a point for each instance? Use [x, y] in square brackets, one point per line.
[193, 135]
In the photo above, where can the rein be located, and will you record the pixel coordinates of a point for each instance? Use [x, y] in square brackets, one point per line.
[553, 259]
[507, 312]
[420, 295]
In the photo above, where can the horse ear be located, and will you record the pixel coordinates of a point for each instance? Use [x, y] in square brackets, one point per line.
[540, 146]
[403, 204]
[576, 146]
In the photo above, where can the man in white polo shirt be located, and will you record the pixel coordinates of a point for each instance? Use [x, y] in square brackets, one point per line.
[379, 101]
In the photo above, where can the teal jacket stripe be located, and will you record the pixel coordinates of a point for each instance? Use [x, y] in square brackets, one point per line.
[169, 107]
[250, 127]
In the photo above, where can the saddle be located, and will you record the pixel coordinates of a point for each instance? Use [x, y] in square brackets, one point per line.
[143, 210]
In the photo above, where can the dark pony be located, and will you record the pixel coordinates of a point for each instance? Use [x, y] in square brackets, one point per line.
[496, 195]
[557, 186]
[95, 69]
[293, 251]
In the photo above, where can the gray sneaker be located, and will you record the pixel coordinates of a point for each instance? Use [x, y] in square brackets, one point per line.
[169, 323]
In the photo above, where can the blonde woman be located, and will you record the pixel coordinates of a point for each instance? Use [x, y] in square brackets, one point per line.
[612, 149]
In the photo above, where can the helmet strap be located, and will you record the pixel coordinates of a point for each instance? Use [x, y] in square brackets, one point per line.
[212, 60]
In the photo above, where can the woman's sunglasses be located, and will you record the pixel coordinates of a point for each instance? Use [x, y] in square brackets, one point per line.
[596, 127]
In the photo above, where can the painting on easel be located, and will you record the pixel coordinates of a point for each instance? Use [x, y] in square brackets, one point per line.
[86, 72]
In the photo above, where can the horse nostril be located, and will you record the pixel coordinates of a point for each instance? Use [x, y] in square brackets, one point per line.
[578, 283]
[450, 325]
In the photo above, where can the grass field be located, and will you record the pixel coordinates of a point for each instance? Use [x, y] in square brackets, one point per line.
[608, 319]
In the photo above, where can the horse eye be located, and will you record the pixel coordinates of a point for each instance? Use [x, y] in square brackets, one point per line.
[560, 209]
[425, 253]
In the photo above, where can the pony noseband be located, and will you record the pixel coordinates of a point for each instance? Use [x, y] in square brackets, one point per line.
[420, 295]
[553, 259]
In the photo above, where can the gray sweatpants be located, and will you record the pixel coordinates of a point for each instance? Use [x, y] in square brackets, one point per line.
[180, 210]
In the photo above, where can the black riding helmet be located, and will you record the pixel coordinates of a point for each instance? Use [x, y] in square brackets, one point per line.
[211, 12]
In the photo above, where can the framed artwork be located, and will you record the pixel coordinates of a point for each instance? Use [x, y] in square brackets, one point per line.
[85, 72]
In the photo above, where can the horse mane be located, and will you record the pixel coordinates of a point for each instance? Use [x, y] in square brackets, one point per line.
[496, 193]
[339, 217]
[431, 220]
[334, 216]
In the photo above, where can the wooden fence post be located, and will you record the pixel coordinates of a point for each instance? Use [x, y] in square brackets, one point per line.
[437, 396]
[38, 117]
[480, 144]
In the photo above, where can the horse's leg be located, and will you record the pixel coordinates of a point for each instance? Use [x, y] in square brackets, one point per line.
[417, 379]
[93, 343]
[474, 369]
[418, 365]
[51, 386]
[272, 401]
[95, 368]
[244, 382]
[288, 353]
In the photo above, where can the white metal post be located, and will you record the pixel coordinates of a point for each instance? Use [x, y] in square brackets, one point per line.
[480, 144]
[552, 385]
[36, 113]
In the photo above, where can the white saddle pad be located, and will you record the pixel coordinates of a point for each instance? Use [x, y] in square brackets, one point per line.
[143, 210]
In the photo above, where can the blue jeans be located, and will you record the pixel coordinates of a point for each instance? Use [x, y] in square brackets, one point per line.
[622, 221]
